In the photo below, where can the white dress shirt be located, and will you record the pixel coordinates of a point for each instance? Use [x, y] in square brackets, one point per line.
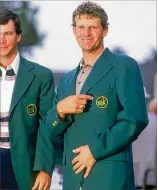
[6, 91]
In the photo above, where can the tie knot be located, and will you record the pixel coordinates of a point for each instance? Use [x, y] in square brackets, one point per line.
[10, 75]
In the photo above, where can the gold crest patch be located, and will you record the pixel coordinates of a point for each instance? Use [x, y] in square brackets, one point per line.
[101, 102]
[31, 109]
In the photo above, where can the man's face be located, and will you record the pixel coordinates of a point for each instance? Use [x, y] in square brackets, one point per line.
[8, 39]
[89, 32]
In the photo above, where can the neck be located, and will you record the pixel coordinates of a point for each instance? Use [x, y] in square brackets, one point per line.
[90, 57]
[7, 60]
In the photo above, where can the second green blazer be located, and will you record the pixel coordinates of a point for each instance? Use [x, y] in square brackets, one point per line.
[32, 98]
[109, 124]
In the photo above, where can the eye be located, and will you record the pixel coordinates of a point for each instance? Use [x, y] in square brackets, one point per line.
[9, 33]
[81, 27]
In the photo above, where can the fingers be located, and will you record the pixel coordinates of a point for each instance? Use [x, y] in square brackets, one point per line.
[36, 184]
[46, 187]
[42, 182]
[84, 97]
[77, 166]
[80, 169]
[41, 186]
[87, 172]
[72, 105]
[81, 102]
[78, 109]
[76, 159]
[77, 150]
[82, 107]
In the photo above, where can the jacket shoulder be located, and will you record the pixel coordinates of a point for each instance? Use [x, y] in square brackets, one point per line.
[68, 76]
[123, 62]
[37, 68]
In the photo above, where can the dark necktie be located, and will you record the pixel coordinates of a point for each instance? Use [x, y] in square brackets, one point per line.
[0, 74]
[10, 75]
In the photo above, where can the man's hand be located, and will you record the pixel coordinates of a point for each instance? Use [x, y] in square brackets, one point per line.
[43, 181]
[83, 160]
[72, 104]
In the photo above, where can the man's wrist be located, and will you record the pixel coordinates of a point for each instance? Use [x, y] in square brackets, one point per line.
[61, 115]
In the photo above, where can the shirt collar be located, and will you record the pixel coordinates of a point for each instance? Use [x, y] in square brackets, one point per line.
[82, 64]
[15, 63]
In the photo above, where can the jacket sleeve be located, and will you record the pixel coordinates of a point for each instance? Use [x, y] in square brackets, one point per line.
[45, 152]
[132, 118]
[55, 127]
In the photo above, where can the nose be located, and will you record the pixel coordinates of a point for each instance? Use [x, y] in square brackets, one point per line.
[87, 31]
[2, 39]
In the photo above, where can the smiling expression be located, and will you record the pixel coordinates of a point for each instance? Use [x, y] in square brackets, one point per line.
[8, 39]
[89, 32]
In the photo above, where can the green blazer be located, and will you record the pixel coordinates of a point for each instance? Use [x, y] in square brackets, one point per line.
[109, 124]
[32, 98]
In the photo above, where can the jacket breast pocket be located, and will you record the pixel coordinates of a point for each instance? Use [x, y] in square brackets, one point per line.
[30, 113]
[31, 106]
[101, 98]
[100, 89]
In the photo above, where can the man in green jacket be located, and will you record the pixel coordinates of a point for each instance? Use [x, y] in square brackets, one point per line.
[100, 110]
[26, 91]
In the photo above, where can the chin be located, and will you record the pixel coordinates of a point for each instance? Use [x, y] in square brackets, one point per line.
[4, 54]
[88, 49]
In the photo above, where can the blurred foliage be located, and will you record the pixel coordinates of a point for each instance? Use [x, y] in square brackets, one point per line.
[148, 69]
[30, 36]
[119, 50]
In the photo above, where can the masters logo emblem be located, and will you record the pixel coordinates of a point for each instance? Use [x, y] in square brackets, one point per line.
[102, 102]
[31, 109]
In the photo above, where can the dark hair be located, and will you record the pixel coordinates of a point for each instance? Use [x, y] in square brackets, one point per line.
[91, 9]
[6, 15]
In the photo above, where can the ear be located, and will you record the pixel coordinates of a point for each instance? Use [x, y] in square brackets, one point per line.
[18, 38]
[105, 31]
[74, 30]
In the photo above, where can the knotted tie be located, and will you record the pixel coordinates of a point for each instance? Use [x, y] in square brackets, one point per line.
[10, 75]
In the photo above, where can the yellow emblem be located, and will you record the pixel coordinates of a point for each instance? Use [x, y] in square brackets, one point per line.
[102, 102]
[31, 109]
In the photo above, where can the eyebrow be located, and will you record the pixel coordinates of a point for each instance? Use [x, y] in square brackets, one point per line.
[88, 26]
[6, 32]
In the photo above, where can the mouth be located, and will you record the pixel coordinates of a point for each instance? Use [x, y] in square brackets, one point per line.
[3, 48]
[87, 40]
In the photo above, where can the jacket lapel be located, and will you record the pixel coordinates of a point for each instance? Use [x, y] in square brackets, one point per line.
[101, 68]
[71, 81]
[23, 80]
